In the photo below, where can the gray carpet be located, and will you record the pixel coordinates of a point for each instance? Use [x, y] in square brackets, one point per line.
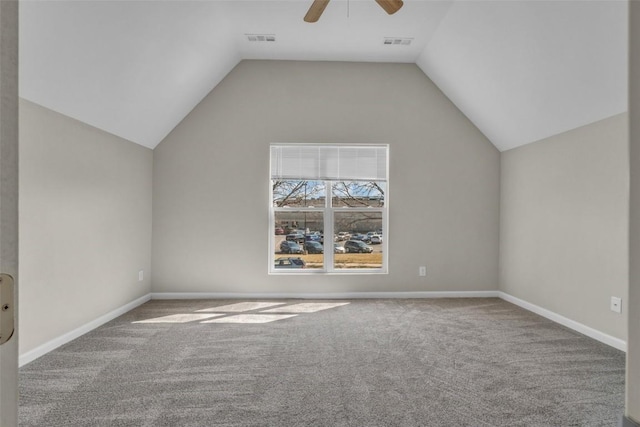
[441, 362]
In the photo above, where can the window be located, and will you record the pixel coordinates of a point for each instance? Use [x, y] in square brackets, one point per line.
[328, 208]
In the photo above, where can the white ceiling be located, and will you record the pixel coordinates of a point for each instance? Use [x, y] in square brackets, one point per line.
[520, 70]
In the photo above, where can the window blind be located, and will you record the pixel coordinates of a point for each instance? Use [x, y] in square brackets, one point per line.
[329, 162]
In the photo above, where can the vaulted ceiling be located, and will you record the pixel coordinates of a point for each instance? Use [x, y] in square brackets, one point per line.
[519, 70]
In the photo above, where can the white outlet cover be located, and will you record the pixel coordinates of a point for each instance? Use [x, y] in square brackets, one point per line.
[616, 304]
[141, 275]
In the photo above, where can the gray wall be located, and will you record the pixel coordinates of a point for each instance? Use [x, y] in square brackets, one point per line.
[85, 223]
[564, 223]
[211, 179]
[633, 354]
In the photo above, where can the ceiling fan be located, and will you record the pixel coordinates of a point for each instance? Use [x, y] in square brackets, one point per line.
[318, 6]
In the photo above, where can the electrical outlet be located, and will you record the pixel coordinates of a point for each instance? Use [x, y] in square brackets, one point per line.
[616, 304]
[422, 271]
[140, 275]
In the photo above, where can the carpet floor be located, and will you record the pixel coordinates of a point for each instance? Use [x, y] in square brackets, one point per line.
[435, 362]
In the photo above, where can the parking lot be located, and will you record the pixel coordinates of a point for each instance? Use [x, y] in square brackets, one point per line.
[341, 260]
[279, 238]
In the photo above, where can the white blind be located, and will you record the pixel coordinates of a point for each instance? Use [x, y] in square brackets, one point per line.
[330, 162]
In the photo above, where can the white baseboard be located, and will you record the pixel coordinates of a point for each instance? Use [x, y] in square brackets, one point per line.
[328, 295]
[69, 336]
[564, 321]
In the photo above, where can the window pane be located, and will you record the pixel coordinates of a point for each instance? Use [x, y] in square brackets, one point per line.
[300, 194]
[358, 194]
[359, 237]
[299, 237]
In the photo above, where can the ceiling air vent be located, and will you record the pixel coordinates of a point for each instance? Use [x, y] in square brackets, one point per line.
[400, 41]
[261, 37]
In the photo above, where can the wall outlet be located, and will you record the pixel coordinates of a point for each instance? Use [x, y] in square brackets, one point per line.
[616, 304]
[422, 271]
[140, 275]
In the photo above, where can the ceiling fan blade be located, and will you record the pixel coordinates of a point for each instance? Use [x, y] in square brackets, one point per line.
[390, 6]
[315, 11]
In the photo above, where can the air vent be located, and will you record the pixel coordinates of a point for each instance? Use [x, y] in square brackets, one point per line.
[398, 41]
[261, 37]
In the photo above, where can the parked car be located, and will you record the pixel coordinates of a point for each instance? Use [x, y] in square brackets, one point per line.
[312, 237]
[337, 249]
[279, 231]
[289, 263]
[290, 247]
[357, 246]
[359, 236]
[343, 235]
[295, 237]
[313, 247]
[376, 239]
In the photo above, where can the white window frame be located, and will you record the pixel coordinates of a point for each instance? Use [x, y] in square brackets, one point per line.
[328, 212]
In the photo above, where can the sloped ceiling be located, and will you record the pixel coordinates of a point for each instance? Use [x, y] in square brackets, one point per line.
[520, 70]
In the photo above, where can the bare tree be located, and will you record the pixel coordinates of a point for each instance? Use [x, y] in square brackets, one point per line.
[347, 193]
[358, 194]
[295, 192]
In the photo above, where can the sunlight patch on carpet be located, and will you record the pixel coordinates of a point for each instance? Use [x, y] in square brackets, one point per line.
[240, 307]
[179, 318]
[251, 318]
[305, 307]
